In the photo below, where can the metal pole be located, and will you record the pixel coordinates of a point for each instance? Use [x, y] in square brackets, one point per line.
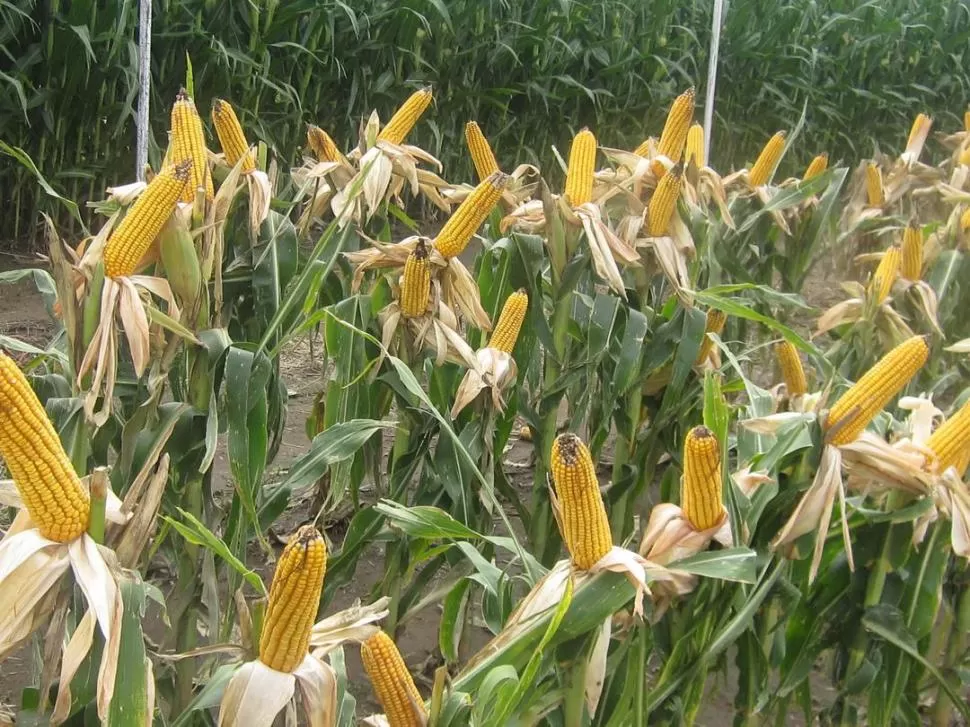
[712, 76]
[144, 80]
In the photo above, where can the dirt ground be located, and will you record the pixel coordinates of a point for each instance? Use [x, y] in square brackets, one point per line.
[22, 315]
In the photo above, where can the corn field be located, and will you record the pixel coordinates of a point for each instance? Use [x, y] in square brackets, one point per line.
[853, 67]
[732, 492]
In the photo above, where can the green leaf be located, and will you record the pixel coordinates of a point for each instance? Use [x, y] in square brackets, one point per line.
[170, 324]
[336, 444]
[12, 344]
[453, 620]
[628, 365]
[198, 534]
[275, 257]
[130, 706]
[733, 307]
[733, 564]
[189, 76]
[690, 340]
[246, 380]
[498, 686]
[430, 523]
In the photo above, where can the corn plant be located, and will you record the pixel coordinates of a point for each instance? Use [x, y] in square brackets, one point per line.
[691, 516]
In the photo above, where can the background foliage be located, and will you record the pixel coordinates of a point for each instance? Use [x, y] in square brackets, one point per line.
[68, 79]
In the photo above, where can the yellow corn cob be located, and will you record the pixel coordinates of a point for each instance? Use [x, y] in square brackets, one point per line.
[585, 527]
[579, 173]
[714, 324]
[951, 441]
[231, 136]
[966, 120]
[921, 121]
[392, 682]
[510, 322]
[457, 232]
[188, 142]
[859, 405]
[695, 144]
[792, 372]
[700, 487]
[416, 282]
[874, 185]
[663, 203]
[965, 220]
[674, 135]
[644, 148]
[964, 157]
[818, 165]
[142, 223]
[886, 273]
[50, 488]
[480, 150]
[911, 265]
[406, 117]
[320, 143]
[294, 598]
[767, 160]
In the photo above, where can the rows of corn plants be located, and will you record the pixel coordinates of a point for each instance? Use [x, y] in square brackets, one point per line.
[854, 66]
[720, 503]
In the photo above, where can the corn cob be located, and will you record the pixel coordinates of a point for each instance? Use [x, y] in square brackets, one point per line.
[416, 282]
[457, 232]
[859, 405]
[320, 143]
[874, 185]
[966, 120]
[964, 157]
[920, 125]
[481, 152]
[792, 372]
[911, 265]
[294, 598]
[663, 203]
[965, 220]
[674, 135]
[142, 223]
[585, 527]
[50, 488]
[406, 117]
[818, 165]
[715, 324]
[579, 173]
[951, 442]
[510, 322]
[188, 142]
[886, 273]
[700, 487]
[392, 682]
[767, 160]
[231, 136]
[695, 144]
